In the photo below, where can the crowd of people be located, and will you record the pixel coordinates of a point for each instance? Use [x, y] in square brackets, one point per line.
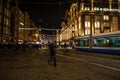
[16, 46]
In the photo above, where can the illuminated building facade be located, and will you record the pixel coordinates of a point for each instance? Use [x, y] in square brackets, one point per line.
[27, 25]
[28, 31]
[14, 21]
[24, 22]
[11, 19]
[34, 35]
[21, 24]
[0, 18]
[88, 18]
[4, 20]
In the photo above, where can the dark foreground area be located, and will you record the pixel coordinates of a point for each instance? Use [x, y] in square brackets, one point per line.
[71, 65]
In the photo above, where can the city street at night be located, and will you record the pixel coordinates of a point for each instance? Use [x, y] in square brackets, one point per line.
[59, 39]
[71, 65]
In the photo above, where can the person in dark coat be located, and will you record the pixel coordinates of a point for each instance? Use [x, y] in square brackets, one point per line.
[52, 54]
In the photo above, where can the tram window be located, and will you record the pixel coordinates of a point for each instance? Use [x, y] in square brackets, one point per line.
[84, 42]
[107, 42]
[112, 41]
[95, 42]
[117, 42]
[101, 42]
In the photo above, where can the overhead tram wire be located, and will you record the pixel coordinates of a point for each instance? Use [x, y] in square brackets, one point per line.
[47, 3]
[38, 28]
[50, 29]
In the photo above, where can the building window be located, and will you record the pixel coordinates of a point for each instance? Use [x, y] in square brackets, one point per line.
[79, 26]
[87, 25]
[76, 28]
[97, 24]
[106, 17]
[6, 22]
[114, 24]
[0, 18]
[87, 8]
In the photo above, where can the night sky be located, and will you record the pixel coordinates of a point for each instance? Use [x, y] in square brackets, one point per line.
[47, 14]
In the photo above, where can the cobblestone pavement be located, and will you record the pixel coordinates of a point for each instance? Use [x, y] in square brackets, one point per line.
[32, 65]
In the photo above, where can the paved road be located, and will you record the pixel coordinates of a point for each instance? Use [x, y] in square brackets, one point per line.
[71, 65]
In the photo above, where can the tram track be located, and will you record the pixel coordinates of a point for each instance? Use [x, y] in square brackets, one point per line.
[97, 60]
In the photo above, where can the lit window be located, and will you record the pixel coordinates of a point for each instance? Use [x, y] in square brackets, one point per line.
[87, 8]
[97, 24]
[6, 21]
[96, 8]
[87, 24]
[114, 24]
[106, 17]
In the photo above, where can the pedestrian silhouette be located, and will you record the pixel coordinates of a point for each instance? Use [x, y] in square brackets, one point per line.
[52, 54]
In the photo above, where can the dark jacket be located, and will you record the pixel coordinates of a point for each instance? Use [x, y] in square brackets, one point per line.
[52, 49]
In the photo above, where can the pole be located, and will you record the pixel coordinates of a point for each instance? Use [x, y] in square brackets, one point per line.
[90, 38]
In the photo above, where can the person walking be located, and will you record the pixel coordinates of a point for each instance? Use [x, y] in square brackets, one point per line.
[52, 54]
